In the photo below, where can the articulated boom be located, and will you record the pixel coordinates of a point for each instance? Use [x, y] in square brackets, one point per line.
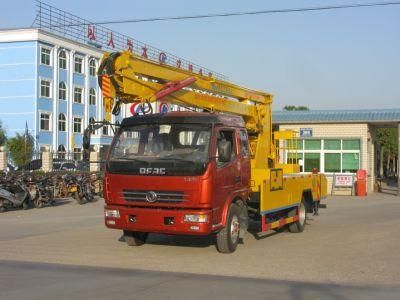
[128, 78]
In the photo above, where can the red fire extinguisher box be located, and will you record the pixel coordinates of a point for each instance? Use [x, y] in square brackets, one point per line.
[361, 185]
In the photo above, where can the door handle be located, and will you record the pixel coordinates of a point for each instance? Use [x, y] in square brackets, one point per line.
[238, 179]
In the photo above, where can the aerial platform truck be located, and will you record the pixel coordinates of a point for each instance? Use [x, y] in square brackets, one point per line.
[210, 171]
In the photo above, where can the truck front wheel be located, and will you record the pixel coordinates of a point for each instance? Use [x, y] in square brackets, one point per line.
[299, 225]
[135, 238]
[228, 238]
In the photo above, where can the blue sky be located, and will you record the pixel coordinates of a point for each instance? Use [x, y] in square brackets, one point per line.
[338, 59]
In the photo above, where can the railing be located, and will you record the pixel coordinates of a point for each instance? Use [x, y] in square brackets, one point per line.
[67, 25]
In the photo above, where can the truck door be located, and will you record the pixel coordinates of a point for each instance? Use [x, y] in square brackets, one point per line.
[227, 176]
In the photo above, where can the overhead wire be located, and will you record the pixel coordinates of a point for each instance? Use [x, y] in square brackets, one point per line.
[243, 13]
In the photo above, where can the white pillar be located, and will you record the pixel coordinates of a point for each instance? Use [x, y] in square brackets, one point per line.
[47, 161]
[55, 98]
[86, 94]
[70, 100]
[3, 159]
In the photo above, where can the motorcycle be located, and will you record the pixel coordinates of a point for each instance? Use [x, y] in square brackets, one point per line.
[42, 191]
[14, 194]
[69, 186]
[86, 189]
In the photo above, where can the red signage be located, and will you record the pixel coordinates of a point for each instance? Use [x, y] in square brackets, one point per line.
[344, 180]
[111, 41]
[91, 33]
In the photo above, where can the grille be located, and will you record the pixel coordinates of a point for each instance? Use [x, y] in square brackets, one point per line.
[162, 196]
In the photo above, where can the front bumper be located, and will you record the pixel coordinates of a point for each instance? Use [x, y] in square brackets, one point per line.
[158, 220]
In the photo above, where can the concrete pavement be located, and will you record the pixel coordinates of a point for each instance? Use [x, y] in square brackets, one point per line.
[352, 244]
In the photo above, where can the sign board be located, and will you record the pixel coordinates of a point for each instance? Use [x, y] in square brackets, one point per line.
[136, 108]
[306, 132]
[163, 108]
[343, 180]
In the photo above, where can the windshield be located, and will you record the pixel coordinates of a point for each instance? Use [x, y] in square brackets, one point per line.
[161, 149]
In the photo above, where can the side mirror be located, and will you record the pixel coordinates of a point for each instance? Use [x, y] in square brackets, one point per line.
[224, 151]
[86, 139]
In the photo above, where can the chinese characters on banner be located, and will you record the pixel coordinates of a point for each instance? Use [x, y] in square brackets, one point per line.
[162, 57]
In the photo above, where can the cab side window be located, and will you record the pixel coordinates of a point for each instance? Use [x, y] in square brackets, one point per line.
[226, 136]
[244, 143]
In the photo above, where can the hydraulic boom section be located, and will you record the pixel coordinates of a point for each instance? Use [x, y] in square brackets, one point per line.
[127, 78]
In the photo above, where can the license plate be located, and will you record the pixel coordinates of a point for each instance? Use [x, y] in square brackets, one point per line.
[73, 189]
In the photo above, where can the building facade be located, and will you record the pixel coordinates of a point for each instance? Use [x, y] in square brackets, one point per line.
[49, 84]
[337, 142]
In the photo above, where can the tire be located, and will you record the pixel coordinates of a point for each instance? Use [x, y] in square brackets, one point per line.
[26, 205]
[3, 209]
[135, 238]
[228, 237]
[298, 226]
[38, 203]
[80, 199]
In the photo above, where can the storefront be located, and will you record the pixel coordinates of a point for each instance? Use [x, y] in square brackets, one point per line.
[337, 142]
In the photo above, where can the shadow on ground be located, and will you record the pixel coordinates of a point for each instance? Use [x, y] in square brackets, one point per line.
[81, 282]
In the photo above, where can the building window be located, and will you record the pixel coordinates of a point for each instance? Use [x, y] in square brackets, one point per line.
[311, 161]
[62, 91]
[78, 95]
[351, 144]
[351, 162]
[62, 60]
[62, 122]
[45, 88]
[77, 153]
[328, 155]
[78, 63]
[45, 121]
[45, 56]
[61, 152]
[312, 144]
[92, 96]
[77, 125]
[92, 67]
[332, 162]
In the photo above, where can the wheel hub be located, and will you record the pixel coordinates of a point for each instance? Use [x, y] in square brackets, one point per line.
[235, 228]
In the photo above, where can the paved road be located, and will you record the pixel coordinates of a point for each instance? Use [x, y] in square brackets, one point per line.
[21, 280]
[349, 251]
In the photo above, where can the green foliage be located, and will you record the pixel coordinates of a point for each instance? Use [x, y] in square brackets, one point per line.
[387, 137]
[295, 108]
[19, 152]
[3, 137]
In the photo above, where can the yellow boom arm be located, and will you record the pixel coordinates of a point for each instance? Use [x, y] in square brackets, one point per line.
[128, 78]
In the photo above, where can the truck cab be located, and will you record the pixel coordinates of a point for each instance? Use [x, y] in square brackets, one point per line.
[177, 173]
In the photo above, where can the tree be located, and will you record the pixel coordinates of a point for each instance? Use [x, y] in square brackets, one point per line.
[295, 108]
[3, 137]
[387, 141]
[20, 148]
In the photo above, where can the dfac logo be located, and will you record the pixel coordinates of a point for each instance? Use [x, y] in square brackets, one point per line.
[156, 171]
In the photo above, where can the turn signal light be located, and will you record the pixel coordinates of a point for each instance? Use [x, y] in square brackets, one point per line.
[196, 218]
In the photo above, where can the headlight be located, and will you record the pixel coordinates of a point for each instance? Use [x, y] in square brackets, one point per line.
[111, 213]
[196, 218]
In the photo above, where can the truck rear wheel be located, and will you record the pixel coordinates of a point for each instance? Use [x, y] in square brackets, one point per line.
[228, 238]
[299, 225]
[135, 238]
